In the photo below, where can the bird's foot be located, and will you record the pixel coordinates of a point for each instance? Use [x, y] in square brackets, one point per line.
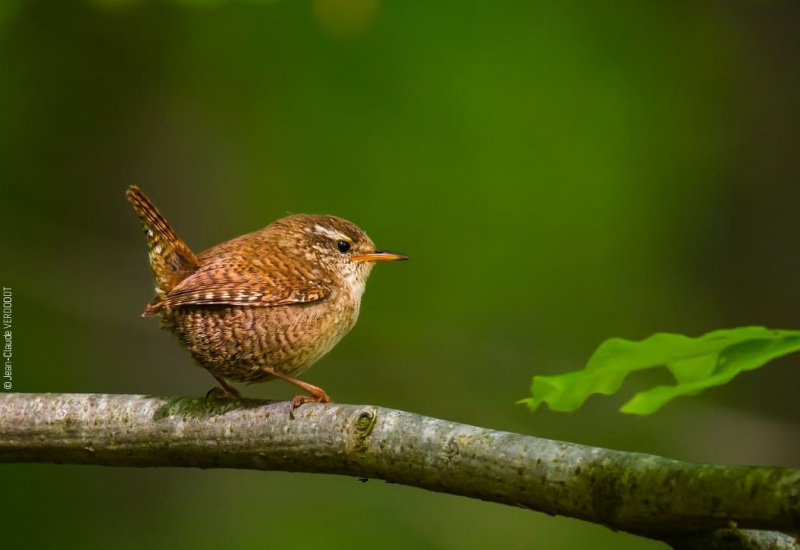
[218, 393]
[318, 395]
[225, 392]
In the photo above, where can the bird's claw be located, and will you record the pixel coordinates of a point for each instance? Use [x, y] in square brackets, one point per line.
[316, 397]
[218, 393]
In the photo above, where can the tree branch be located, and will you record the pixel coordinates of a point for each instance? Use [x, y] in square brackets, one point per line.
[679, 502]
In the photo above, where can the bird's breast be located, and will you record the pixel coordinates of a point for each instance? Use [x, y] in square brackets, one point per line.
[236, 341]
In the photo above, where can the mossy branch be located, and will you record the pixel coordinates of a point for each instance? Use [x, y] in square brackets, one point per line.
[688, 505]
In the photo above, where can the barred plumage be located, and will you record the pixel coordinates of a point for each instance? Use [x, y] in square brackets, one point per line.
[264, 305]
[170, 258]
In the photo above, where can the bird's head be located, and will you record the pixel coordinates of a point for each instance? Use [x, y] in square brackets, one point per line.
[339, 245]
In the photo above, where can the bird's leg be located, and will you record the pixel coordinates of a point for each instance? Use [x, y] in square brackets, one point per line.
[226, 392]
[317, 394]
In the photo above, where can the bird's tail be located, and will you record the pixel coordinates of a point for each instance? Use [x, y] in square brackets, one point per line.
[170, 258]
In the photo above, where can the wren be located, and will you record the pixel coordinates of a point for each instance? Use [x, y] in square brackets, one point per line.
[265, 305]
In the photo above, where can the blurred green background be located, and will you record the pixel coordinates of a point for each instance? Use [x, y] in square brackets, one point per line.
[559, 173]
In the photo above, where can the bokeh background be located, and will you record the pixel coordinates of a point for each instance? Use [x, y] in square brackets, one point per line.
[559, 173]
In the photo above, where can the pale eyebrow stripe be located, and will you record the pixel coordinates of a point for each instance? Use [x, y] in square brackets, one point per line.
[332, 234]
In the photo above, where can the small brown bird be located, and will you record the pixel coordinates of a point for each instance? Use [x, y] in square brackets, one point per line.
[264, 305]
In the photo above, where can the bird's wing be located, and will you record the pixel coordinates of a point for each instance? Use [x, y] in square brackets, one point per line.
[264, 285]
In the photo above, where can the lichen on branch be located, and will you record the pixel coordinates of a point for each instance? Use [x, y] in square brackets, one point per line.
[642, 494]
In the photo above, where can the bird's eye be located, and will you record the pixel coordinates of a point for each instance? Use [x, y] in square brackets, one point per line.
[343, 246]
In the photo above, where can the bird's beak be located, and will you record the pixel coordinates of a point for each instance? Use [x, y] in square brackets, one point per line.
[378, 256]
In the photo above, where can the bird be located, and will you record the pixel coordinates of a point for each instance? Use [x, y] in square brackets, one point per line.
[266, 305]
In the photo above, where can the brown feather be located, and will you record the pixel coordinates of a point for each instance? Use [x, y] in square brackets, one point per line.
[203, 289]
[170, 258]
[266, 304]
[262, 273]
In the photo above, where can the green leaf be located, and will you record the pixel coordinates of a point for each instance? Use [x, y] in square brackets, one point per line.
[696, 364]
